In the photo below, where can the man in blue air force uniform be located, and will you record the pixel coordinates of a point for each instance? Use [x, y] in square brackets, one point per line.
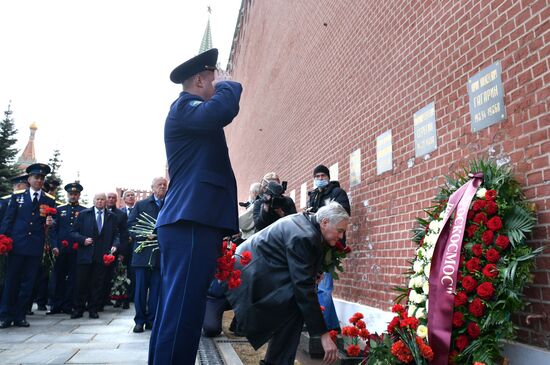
[200, 207]
[25, 224]
[64, 273]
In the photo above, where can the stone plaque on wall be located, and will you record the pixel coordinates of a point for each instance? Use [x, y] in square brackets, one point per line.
[303, 195]
[384, 152]
[486, 97]
[355, 168]
[425, 135]
[333, 170]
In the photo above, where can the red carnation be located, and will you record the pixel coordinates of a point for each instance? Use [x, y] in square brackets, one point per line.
[364, 333]
[6, 244]
[485, 290]
[473, 265]
[473, 330]
[460, 299]
[458, 319]
[353, 350]
[469, 283]
[339, 246]
[490, 271]
[476, 307]
[471, 214]
[397, 308]
[394, 322]
[491, 207]
[461, 342]
[503, 242]
[360, 324]
[357, 316]
[333, 335]
[480, 218]
[471, 230]
[411, 322]
[477, 250]
[487, 237]
[490, 195]
[478, 205]
[108, 259]
[65, 243]
[401, 351]
[347, 249]
[492, 255]
[246, 257]
[75, 246]
[495, 223]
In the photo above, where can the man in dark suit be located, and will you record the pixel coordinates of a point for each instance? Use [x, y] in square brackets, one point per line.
[129, 198]
[122, 226]
[64, 272]
[95, 230]
[146, 263]
[200, 207]
[24, 222]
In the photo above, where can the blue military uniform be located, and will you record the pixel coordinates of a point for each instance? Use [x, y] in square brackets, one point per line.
[199, 209]
[65, 265]
[146, 266]
[24, 223]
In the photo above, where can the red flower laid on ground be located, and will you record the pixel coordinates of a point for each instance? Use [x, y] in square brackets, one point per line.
[503, 242]
[492, 255]
[401, 351]
[473, 330]
[469, 283]
[487, 237]
[473, 265]
[485, 290]
[494, 224]
[460, 299]
[108, 259]
[461, 342]
[353, 350]
[490, 271]
[476, 308]
[491, 207]
[458, 319]
[477, 250]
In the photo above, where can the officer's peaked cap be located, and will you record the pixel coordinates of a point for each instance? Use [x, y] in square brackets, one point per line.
[73, 187]
[202, 62]
[38, 169]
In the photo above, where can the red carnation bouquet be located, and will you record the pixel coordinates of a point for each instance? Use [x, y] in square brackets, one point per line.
[108, 259]
[6, 245]
[48, 257]
[226, 264]
[355, 336]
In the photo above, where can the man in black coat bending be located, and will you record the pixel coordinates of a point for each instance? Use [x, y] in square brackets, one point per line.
[278, 294]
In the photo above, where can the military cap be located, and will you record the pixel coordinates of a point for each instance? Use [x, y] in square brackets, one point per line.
[38, 169]
[22, 179]
[73, 187]
[202, 62]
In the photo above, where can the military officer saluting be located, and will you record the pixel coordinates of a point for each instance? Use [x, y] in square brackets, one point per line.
[64, 249]
[24, 223]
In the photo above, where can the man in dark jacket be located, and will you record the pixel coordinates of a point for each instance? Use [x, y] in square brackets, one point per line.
[277, 294]
[146, 263]
[325, 192]
[96, 232]
[271, 204]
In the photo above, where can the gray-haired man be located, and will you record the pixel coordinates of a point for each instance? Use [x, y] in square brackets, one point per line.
[278, 291]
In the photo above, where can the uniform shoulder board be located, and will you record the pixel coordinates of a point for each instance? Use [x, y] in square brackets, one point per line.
[19, 191]
[62, 205]
[195, 103]
[50, 196]
[6, 196]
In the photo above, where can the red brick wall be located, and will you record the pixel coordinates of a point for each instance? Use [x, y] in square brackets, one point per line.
[324, 78]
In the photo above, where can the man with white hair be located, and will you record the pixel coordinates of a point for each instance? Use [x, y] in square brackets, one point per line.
[278, 293]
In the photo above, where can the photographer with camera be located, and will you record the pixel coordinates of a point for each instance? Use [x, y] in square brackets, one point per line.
[246, 219]
[272, 204]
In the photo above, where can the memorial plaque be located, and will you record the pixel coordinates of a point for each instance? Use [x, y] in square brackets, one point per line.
[355, 168]
[333, 169]
[486, 97]
[384, 153]
[425, 134]
[303, 195]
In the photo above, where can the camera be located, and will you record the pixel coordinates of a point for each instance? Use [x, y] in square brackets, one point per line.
[273, 195]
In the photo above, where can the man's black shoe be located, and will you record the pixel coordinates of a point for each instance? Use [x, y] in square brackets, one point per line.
[53, 311]
[29, 313]
[117, 304]
[76, 314]
[100, 309]
[125, 305]
[22, 323]
[42, 308]
[5, 324]
[148, 326]
[94, 315]
[66, 311]
[108, 303]
[138, 328]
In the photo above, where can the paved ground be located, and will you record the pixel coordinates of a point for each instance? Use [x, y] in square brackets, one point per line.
[58, 339]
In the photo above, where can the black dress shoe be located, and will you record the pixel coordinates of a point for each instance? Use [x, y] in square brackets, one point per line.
[53, 311]
[100, 309]
[22, 323]
[138, 328]
[76, 314]
[94, 315]
[148, 326]
[29, 313]
[5, 324]
[117, 304]
[66, 311]
[42, 308]
[125, 305]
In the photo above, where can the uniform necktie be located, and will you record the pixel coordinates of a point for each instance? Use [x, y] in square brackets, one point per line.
[35, 199]
[98, 220]
[129, 210]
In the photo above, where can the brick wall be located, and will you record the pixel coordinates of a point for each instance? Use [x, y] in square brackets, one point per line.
[324, 78]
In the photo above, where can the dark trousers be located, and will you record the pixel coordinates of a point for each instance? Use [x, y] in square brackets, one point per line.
[188, 253]
[146, 294]
[90, 280]
[40, 290]
[282, 347]
[64, 277]
[21, 274]
[212, 324]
